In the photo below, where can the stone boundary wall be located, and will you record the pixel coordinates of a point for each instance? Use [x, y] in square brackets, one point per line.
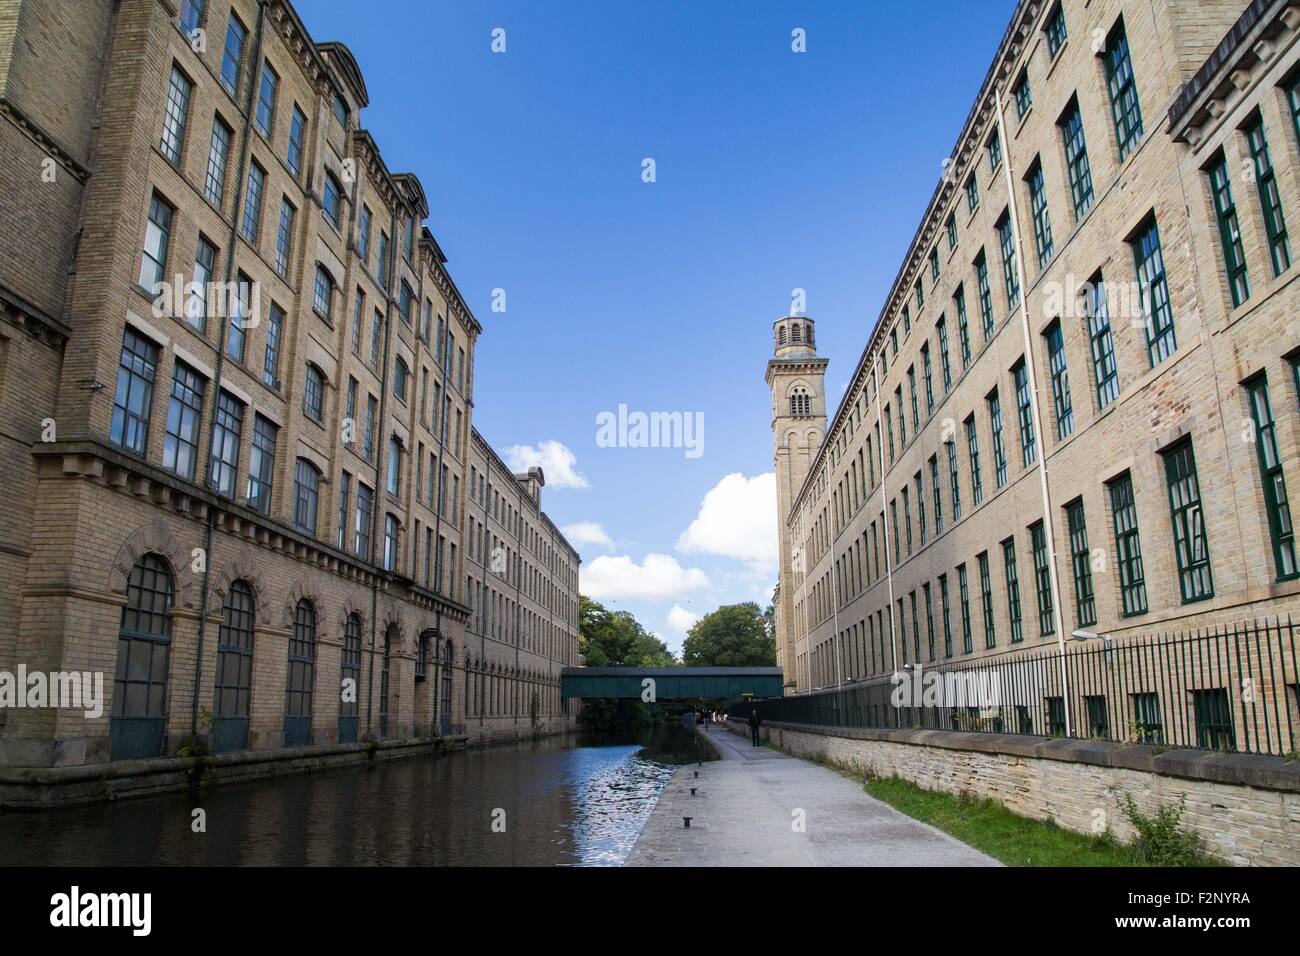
[1246, 807]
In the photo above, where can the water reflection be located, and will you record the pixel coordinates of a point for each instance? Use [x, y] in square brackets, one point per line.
[560, 801]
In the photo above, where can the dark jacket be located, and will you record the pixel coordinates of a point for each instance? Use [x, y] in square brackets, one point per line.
[753, 719]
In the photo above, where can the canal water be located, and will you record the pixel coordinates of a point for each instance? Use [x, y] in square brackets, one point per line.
[564, 801]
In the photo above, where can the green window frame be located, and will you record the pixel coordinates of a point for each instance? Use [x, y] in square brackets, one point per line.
[1025, 412]
[929, 619]
[1270, 201]
[1055, 31]
[916, 628]
[945, 366]
[1043, 244]
[1213, 710]
[1024, 96]
[963, 326]
[927, 373]
[1147, 719]
[919, 289]
[1042, 580]
[1057, 366]
[911, 386]
[1191, 544]
[1162, 341]
[985, 294]
[1076, 159]
[986, 599]
[1121, 86]
[951, 227]
[973, 191]
[1013, 590]
[893, 517]
[946, 608]
[1293, 99]
[1225, 213]
[1276, 502]
[1085, 599]
[934, 264]
[1128, 547]
[1007, 245]
[973, 453]
[963, 587]
[999, 450]
[920, 507]
[902, 420]
[938, 495]
[994, 149]
[1105, 367]
[953, 480]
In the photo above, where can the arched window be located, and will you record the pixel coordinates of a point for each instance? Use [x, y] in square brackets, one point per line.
[390, 543]
[447, 655]
[393, 477]
[333, 200]
[313, 393]
[796, 333]
[781, 335]
[301, 676]
[234, 685]
[390, 636]
[800, 403]
[140, 679]
[422, 657]
[306, 491]
[350, 680]
[323, 296]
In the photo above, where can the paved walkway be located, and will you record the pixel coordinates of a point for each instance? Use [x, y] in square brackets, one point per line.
[744, 814]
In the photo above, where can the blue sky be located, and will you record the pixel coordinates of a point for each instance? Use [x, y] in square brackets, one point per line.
[774, 170]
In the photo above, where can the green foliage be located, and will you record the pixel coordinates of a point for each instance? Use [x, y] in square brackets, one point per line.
[735, 635]
[1161, 839]
[616, 639]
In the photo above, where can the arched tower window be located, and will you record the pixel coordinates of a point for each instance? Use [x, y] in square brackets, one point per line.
[781, 336]
[800, 402]
[796, 333]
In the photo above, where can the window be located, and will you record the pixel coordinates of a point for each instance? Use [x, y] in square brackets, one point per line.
[1105, 370]
[394, 470]
[1276, 503]
[994, 149]
[214, 185]
[350, 671]
[1076, 159]
[284, 238]
[1038, 209]
[372, 409]
[232, 58]
[224, 462]
[383, 259]
[157, 234]
[929, 620]
[363, 236]
[301, 676]
[1024, 99]
[345, 492]
[261, 464]
[313, 393]
[1042, 580]
[1128, 546]
[929, 384]
[963, 588]
[1146, 718]
[400, 375]
[266, 100]
[174, 115]
[234, 674]
[1055, 31]
[357, 320]
[986, 599]
[1190, 544]
[306, 494]
[191, 16]
[1013, 589]
[196, 304]
[297, 132]
[945, 366]
[938, 495]
[1213, 719]
[133, 398]
[241, 311]
[1225, 211]
[1085, 606]
[972, 192]
[916, 412]
[404, 297]
[973, 451]
[1055, 716]
[985, 294]
[1122, 88]
[1007, 244]
[1293, 98]
[920, 509]
[934, 264]
[1270, 202]
[951, 226]
[365, 502]
[140, 674]
[376, 334]
[252, 222]
[963, 326]
[999, 451]
[954, 488]
[1060, 381]
[184, 416]
[390, 547]
[322, 301]
[919, 289]
[332, 202]
[1161, 340]
[340, 111]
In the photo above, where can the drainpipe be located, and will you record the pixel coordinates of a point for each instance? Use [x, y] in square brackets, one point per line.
[1044, 487]
[884, 522]
[240, 185]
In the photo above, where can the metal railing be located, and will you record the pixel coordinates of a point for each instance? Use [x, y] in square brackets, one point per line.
[1230, 687]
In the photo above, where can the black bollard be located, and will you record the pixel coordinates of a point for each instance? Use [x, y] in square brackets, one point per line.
[687, 821]
[697, 773]
[692, 791]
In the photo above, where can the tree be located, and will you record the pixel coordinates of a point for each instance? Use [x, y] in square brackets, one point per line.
[735, 635]
[616, 639]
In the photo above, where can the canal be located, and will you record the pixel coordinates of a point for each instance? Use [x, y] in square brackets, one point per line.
[565, 801]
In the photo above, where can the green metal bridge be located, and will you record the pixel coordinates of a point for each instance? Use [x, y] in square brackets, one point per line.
[668, 683]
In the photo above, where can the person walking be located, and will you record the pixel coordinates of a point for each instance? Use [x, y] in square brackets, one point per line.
[755, 723]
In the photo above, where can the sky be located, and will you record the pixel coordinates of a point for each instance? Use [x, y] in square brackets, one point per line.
[627, 195]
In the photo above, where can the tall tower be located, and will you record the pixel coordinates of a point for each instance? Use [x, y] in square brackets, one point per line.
[796, 376]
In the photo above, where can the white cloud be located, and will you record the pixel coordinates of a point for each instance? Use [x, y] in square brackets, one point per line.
[680, 619]
[737, 519]
[554, 459]
[658, 578]
[587, 533]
